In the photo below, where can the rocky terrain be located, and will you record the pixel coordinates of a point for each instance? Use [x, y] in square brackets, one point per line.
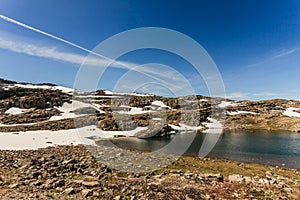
[25, 107]
[70, 172]
[47, 118]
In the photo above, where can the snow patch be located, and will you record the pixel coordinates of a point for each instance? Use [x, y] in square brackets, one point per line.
[95, 96]
[107, 92]
[156, 119]
[160, 104]
[184, 127]
[49, 87]
[44, 138]
[291, 112]
[224, 104]
[67, 108]
[133, 111]
[15, 111]
[242, 112]
[214, 126]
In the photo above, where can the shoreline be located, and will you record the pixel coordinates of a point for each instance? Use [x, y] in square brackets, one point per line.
[188, 154]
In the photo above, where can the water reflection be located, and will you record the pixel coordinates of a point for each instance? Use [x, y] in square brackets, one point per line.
[271, 148]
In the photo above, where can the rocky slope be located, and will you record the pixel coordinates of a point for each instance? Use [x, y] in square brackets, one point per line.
[70, 172]
[31, 115]
[48, 107]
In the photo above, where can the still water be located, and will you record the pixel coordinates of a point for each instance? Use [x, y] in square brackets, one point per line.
[269, 148]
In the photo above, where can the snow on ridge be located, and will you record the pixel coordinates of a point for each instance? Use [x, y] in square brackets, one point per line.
[49, 87]
[224, 104]
[291, 112]
[137, 110]
[133, 111]
[67, 108]
[95, 96]
[108, 92]
[160, 104]
[63, 89]
[15, 111]
[70, 90]
[242, 112]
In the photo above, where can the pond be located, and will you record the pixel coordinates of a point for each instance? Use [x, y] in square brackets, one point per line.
[269, 148]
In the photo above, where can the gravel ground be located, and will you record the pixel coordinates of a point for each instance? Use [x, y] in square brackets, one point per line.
[71, 172]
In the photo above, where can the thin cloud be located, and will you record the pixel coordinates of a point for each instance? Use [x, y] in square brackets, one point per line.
[265, 94]
[286, 53]
[51, 53]
[236, 95]
[279, 55]
[117, 63]
[8, 19]
[164, 74]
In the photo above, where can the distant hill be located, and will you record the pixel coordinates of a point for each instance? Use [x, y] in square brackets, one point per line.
[150, 115]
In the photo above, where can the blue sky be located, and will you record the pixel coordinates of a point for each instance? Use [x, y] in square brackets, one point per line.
[254, 43]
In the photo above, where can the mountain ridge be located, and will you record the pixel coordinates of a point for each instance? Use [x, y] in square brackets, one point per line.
[115, 111]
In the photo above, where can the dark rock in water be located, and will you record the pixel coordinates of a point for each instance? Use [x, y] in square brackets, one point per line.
[118, 136]
[155, 131]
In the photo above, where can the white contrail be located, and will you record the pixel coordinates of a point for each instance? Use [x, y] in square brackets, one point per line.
[8, 19]
[50, 35]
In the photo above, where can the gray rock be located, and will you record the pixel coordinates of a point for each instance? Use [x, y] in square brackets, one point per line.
[87, 193]
[69, 191]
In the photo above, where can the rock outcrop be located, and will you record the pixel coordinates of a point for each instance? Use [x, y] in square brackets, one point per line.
[127, 111]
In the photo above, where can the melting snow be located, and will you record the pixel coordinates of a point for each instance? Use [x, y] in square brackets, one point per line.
[160, 104]
[96, 96]
[242, 112]
[156, 119]
[15, 111]
[224, 104]
[43, 138]
[134, 111]
[66, 109]
[214, 126]
[291, 112]
[184, 127]
[203, 100]
[31, 86]
[107, 92]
